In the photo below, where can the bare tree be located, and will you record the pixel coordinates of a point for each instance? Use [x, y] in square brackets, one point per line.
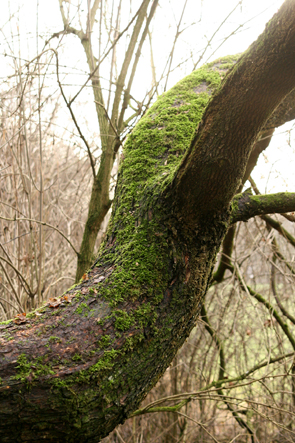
[110, 109]
[35, 222]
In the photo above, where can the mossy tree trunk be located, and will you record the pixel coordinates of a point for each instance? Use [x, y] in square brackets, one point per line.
[74, 369]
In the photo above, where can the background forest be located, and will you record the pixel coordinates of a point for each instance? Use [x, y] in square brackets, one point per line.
[70, 95]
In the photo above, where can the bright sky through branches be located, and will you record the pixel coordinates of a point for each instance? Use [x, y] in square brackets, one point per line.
[236, 24]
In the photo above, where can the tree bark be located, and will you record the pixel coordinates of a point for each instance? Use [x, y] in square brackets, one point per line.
[74, 369]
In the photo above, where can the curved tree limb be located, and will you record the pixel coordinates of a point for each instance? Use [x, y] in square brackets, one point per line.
[284, 113]
[258, 148]
[227, 245]
[134, 309]
[223, 158]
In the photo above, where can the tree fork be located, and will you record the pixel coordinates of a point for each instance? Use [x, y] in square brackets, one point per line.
[80, 365]
[220, 150]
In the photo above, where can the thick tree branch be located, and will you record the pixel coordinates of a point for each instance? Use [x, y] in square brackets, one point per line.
[227, 245]
[219, 152]
[258, 148]
[134, 309]
[289, 217]
[246, 205]
[284, 113]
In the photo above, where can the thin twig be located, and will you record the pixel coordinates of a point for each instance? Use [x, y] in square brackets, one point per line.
[44, 224]
[105, 56]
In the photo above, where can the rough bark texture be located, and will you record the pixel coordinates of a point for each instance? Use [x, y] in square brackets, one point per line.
[81, 364]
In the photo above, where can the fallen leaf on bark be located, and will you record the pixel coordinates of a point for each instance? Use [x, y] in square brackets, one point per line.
[67, 298]
[54, 302]
[20, 318]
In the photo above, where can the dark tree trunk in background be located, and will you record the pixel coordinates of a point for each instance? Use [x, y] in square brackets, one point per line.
[81, 365]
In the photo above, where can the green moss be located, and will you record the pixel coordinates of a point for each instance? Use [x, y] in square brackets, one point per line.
[104, 319]
[152, 154]
[77, 297]
[77, 357]
[31, 369]
[36, 311]
[70, 340]
[104, 342]
[56, 312]
[106, 362]
[6, 322]
[82, 308]
[145, 314]
[224, 63]
[54, 339]
[123, 320]
[131, 342]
